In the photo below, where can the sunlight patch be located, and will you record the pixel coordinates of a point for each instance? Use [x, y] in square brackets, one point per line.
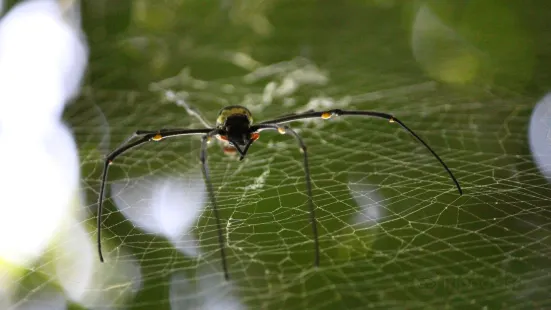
[539, 135]
[165, 206]
[45, 298]
[204, 293]
[42, 60]
[441, 51]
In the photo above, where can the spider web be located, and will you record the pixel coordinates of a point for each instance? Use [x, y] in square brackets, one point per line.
[393, 231]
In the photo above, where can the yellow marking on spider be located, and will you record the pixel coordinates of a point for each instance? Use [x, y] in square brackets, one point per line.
[281, 130]
[157, 137]
[230, 111]
[391, 120]
[326, 115]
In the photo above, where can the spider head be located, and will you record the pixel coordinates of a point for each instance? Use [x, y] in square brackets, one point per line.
[237, 130]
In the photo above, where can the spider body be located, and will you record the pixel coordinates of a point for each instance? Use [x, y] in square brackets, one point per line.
[234, 126]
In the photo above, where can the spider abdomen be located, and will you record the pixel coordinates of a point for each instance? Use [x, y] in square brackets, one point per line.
[229, 112]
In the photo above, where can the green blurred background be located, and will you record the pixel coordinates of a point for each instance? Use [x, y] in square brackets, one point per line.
[464, 74]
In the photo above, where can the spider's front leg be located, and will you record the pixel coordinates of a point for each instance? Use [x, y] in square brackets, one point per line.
[154, 135]
[146, 136]
[206, 175]
[282, 129]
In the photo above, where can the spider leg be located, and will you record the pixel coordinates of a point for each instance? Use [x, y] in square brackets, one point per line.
[289, 131]
[146, 136]
[206, 175]
[337, 112]
[136, 133]
[139, 133]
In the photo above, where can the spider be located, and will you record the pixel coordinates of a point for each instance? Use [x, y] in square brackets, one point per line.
[234, 126]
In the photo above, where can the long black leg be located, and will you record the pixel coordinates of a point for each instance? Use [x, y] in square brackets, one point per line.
[390, 118]
[288, 130]
[146, 136]
[206, 176]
